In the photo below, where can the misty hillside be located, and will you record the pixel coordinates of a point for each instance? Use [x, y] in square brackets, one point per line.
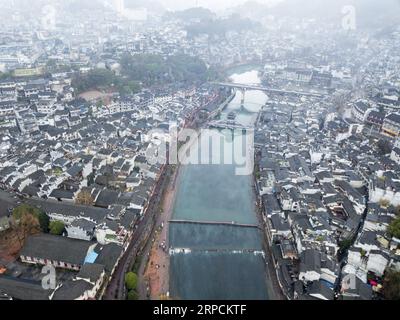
[198, 13]
[151, 5]
[77, 6]
[369, 13]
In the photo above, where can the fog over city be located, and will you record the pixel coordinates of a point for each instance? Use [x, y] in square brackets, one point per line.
[199, 150]
[369, 12]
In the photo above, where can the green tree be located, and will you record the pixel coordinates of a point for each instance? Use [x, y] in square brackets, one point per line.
[44, 221]
[133, 295]
[384, 146]
[57, 227]
[345, 244]
[57, 171]
[4, 76]
[152, 69]
[131, 280]
[105, 79]
[99, 104]
[394, 228]
[127, 87]
[94, 79]
[391, 285]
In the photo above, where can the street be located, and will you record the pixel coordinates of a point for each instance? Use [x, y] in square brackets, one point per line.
[140, 237]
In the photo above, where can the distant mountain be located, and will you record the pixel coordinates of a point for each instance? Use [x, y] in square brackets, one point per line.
[150, 5]
[82, 5]
[251, 9]
[365, 9]
[369, 13]
[197, 13]
[220, 26]
[200, 21]
[74, 5]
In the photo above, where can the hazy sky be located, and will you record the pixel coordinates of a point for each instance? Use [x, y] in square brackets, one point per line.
[214, 5]
[211, 4]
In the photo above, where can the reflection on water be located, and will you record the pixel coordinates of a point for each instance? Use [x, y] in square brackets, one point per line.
[216, 267]
[218, 237]
[217, 276]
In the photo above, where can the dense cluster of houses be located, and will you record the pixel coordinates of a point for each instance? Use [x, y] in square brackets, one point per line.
[327, 189]
[86, 165]
[327, 169]
[323, 182]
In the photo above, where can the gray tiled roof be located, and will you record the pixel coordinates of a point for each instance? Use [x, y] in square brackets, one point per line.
[56, 248]
[20, 289]
[71, 290]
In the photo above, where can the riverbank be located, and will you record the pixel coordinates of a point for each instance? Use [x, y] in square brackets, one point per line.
[156, 273]
[273, 286]
[222, 255]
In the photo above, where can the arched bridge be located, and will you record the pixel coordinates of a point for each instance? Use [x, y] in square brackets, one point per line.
[265, 89]
[230, 125]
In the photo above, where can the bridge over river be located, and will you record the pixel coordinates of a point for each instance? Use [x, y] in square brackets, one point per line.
[230, 125]
[173, 251]
[244, 87]
[233, 223]
[215, 221]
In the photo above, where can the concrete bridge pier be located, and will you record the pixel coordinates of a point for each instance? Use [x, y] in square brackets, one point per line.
[243, 91]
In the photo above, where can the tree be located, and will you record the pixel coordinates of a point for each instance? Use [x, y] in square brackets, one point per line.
[394, 228]
[133, 295]
[4, 76]
[391, 285]
[345, 244]
[27, 225]
[85, 198]
[44, 221]
[131, 280]
[57, 227]
[384, 146]
[105, 79]
[128, 87]
[94, 79]
[384, 203]
[25, 222]
[153, 69]
[57, 171]
[41, 217]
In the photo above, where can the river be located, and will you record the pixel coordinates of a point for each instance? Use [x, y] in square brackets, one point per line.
[220, 261]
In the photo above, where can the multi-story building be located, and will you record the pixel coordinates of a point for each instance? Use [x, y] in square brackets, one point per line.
[391, 125]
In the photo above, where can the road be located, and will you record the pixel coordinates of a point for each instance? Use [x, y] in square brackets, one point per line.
[139, 239]
[154, 282]
[274, 289]
[139, 243]
[8, 201]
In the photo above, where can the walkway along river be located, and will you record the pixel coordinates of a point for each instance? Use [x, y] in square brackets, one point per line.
[219, 253]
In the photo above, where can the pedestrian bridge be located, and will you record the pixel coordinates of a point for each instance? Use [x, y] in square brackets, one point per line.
[245, 87]
[230, 125]
[217, 223]
[173, 251]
